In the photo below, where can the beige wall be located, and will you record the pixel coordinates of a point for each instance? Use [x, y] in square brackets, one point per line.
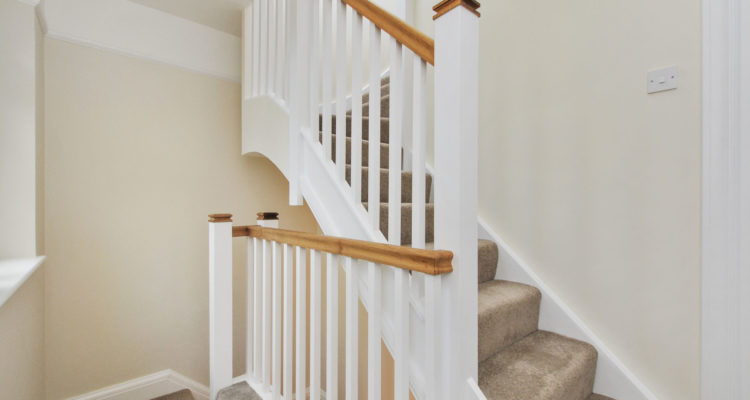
[595, 183]
[17, 130]
[22, 341]
[137, 155]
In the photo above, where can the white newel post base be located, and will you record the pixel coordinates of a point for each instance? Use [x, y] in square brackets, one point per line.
[456, 142]
[220, 301]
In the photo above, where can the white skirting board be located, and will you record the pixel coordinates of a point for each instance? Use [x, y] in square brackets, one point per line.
[613, 378]
[147, 387]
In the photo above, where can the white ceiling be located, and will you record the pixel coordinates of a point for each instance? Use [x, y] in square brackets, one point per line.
[224, 15]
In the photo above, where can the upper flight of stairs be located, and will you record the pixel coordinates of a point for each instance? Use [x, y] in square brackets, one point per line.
[516, 360]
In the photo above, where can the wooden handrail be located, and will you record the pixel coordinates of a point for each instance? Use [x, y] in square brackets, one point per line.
[431, 262]
[421, 44]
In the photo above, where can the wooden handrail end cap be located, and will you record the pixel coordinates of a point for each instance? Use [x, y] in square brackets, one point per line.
[219, 217]
[268, 216]
[446, 5]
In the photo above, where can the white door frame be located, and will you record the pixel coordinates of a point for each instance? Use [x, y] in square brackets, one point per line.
[725, 314]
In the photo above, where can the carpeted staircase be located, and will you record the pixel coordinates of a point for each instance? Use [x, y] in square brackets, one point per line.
[517, 361]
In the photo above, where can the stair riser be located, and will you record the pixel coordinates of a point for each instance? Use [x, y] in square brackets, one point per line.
[406, 185]
[508, 312]
[384, 128]
[384, 156]
[488, 255]
[406, 213]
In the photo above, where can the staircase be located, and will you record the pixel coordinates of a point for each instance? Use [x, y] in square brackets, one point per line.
[454, 333]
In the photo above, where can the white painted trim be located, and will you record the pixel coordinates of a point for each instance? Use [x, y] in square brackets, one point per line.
[725, 285]
[147, 387]
[129, 28]
[613, 378]
[14, 274]
[32, 3]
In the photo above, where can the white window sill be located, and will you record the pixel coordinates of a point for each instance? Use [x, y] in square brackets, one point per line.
[13, 273]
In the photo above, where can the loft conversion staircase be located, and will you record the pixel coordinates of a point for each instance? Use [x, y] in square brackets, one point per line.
[452, 329]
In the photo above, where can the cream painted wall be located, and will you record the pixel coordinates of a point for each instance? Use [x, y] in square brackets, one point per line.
[22, 341]
[595, 183]
[137, 155]
[17, 130]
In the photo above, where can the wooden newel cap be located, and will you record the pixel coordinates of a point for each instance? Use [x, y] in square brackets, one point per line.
[220, 218]
[447, 5]
[268, 216]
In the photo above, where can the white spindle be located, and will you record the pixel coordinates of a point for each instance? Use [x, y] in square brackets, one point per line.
[327, 78]
[341, 89]
[315, 324]
[332, 326]
[220, 302]
[352, 328]
[356, 141]
[456, 104]
[272, 46]
[418, 195]
[433, 340]
[373, 179]
[267, 316]
[288, 321]
[247, 51]
[297, 94]
[258, 309]
[256, 47]
[277, 287]
[314, 66]
[263, 37]
[280, 48]
[394, 145]
[301, 363]
[250, 308]
[401, 336]
[373, 335]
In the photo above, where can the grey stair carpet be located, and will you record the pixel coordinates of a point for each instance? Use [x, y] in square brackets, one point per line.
[183, 394]
[517, 361]
[238, 391]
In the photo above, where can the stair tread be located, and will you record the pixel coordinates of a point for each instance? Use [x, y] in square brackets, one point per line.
[238, 391]
[406, 233]
[488, 255]
[541, 366]
[508, 312]
[406, 184]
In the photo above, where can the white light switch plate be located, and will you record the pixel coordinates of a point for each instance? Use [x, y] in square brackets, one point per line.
[662, 79]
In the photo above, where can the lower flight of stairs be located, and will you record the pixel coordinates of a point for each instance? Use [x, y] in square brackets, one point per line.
[517, 361]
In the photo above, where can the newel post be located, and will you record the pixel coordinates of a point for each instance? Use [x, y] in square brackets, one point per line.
[220, 301]
[268, 219]
[456, 149]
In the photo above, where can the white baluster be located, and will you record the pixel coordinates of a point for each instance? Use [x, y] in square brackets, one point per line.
[301, 364]
[352, 328]
[220, 301]
[314, 66]
[277, 287]
[327, 77]
[250, 308]
[281, 48]
[258, 310]
[394, 145]
[263, 36]
[247, 51]
[341, 89]
[256, 47]
[418, 185]
[373, 335]
[373, 136]
[356, 177]
[267, 314]
[434, 350]
[332, 326]
[288, 321]
[315, 324]
[272, 46]
[297, 94]
[456, 104]
[401, 326]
